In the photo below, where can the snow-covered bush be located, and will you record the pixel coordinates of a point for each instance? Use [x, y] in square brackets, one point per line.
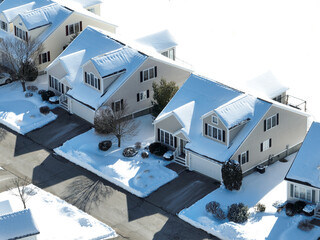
[231, 175]
[238, 213]
[214, 208]
[28, 94]
[259, 207]
[44, 110]
[137, 145]
[41, 91]
[105, 145]
[129, 152]
[158, 148]
[305, 225]
[298, 206]
[32, 88]
[144, 154]
[46, 95]
[103, 118]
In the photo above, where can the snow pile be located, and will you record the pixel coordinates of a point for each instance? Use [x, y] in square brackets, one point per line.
[57, 219]
[19, 113]
[265, 188]
[136, 175]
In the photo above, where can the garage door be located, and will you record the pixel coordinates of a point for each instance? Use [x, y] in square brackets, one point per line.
[205, 166]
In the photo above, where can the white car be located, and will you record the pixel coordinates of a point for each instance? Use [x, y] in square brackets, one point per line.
[5, 78]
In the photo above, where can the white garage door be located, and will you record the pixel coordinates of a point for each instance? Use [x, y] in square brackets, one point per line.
[205, 166]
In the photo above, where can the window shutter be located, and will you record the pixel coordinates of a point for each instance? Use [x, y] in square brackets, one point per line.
[98, 83]
[85, 77]
[313, 196]
[265, 125]
[80, 26]
[27, 36]
[155, 71]
[67, 30]
[224, 136]
[291, 190]
[121, 102]
[39, 58]
[141, 76]
[158, 134]
[261, 147]
[148, 93]
[62, 88]
[247, 156]
[48, 56]
[270, 142]
[239, 158]
[50, 84]
[138, 98]
[112, 106]
[277, 118]
[175, 142]
[206, 129]
[15, 30]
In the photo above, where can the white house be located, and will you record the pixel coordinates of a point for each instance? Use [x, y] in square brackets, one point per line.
[207, 123]
[303, 178]
[113, 72]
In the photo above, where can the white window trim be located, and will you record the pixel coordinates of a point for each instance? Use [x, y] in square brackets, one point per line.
[266, 145]
[215, 117]
[148, 70]
[300, 192]
[271, 122]
[115, 105]
[23, 33]
[89, 79]
[6, 25]
[74, 28]
[246, 157]
[58, 87]
[143, 95]
[171, 139]
[210, 132]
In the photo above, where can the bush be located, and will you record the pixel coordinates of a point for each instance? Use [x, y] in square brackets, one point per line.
[231, 175]
[298, 206]
[238, 213]
[305, 225]
[44, 110]
[220, 214]
[137, 145]
[260, 207]
[211, 207]
[46, 95]
[28, 94]
[158, 148]
[105, 145]
[289, 209]
[41, 91]
[144, 154]
[103, 119]
[129, 152]
[32, 88]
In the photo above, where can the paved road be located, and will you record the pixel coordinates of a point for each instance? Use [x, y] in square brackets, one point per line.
[131, 217]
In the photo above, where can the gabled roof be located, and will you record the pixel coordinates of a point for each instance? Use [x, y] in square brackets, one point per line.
[160, 41]
[87, 3]
[305, 168]
[207, 95]
[17, 225]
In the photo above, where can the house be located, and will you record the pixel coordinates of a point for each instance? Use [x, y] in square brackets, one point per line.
[93, 6]
[207, 123]
[163, 42]
[304, 174]
[109, 73]
[16, 225]
[51, 23]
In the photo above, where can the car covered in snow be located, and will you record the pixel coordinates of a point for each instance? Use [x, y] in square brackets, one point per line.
[5, 78]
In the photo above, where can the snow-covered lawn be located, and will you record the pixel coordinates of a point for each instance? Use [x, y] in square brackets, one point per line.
[57, 219]
[135, 174]
[265, 188]
[19, 113]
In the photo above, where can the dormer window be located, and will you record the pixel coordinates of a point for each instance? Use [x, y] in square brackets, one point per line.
[271, 122]
[169, 53]
[147, 74]
[215, 120]
[20, 33]
[4, 26]
[73, 28]
[215, 133]
[92, 80]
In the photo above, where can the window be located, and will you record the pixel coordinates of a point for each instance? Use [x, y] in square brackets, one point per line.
[90, 79]
[265, 145]
[44, 57]
[271, 122]
[215, 132]
[148, 74]
[169, 53]
[117, 105]
[167, 138]
[303, 193]
[215, 120]
[278, 98]
[73, 28]
[20, 33]
[142, 95]
[4, 25]
[243, 157]
[56, 84]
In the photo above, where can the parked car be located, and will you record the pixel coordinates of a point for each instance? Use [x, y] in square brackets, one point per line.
[5, 78]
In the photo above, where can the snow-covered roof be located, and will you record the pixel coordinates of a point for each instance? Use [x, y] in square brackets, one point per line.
[87, 3]
[160, 41]
[236, 110]
[267, 85]
[5, 207]
[306, 165]
[201, 96]
[17, 225]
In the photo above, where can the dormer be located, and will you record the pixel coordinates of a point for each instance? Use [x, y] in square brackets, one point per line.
[225, 122]
[4, 24]
[91, 77]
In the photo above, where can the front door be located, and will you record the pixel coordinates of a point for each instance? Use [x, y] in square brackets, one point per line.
[182, 152]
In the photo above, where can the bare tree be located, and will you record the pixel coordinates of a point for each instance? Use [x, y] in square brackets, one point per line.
[115, 121]
[20, 56]
[21, 189]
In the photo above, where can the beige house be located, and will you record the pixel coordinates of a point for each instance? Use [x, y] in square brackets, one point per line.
[303, 176]
[207, 123]
[51, 23]
[110, 73]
